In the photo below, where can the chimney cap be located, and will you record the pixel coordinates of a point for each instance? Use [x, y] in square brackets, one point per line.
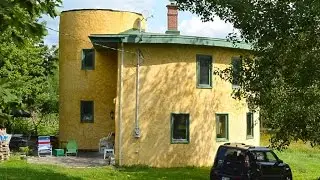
[173, 2]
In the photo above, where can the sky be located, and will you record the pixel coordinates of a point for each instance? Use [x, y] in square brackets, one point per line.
[189, 24]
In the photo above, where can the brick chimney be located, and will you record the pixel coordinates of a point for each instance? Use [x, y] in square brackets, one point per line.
[172, 18]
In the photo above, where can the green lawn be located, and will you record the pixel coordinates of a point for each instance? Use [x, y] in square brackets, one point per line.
[302, 158]
[17, 169]
[304, 161]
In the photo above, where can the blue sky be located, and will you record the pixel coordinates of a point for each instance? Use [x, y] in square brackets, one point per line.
[189, 24]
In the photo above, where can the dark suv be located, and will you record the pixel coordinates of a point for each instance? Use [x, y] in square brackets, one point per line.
[240, 161]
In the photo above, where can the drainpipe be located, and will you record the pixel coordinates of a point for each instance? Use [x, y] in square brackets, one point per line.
[137, 133]
[120, 103]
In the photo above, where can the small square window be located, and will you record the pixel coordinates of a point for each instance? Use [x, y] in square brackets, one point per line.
[204, 71]
[87, 59]
[250, 125]
[222, 127]
[87, 111]
[179, 128]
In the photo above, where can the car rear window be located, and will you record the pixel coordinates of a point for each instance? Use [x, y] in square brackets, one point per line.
[229, 154]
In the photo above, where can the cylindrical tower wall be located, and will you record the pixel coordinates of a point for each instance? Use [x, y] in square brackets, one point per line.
[98, 85]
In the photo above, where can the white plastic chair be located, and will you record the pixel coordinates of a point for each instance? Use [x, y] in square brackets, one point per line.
[106, 145]
[108, 151]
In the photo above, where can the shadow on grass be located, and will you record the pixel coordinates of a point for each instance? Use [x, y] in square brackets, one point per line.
[18, 170]
[141, 172]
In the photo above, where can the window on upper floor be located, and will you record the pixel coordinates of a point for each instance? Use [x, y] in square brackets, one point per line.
[250, 125]
[222, 129]
[204, 71]
[180, 128]
[88, 58]
[236, 66]
[87, 111]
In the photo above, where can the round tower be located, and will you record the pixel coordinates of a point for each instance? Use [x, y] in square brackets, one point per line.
[97, 85]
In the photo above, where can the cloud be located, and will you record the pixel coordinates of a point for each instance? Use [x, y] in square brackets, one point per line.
[195, 27]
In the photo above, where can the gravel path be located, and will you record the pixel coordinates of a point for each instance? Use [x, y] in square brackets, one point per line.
[88, 159]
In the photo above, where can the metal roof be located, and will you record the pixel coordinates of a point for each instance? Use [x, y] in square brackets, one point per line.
[135, 36]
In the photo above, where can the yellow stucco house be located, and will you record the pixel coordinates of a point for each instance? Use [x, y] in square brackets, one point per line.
[156, 92]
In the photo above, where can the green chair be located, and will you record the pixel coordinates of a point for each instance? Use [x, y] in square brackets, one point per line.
[72, 147]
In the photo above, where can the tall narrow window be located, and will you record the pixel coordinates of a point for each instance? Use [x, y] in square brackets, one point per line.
[250, 125]
[222, 127]
[87, 111]
[87, 59]
[236, 66]
[179, 128]
[204, 71]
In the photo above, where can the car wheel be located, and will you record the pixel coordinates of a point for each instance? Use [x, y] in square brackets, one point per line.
[288, 178]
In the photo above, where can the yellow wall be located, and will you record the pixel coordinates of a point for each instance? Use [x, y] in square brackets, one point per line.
[99, 85]
[168, 84]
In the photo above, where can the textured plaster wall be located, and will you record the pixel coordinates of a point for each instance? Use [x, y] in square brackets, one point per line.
[98, 85]
[168, 84]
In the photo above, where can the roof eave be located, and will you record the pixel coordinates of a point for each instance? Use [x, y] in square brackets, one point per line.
[166, 39]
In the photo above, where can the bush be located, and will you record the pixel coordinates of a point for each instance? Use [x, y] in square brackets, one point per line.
[49, 125]
[25, 150]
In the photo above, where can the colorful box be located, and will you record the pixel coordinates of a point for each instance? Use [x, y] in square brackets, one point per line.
[58, 152]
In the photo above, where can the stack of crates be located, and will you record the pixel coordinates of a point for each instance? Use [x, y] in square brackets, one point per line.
[4, 151]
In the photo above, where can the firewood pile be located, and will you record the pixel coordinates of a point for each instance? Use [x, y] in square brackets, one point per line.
[4, 151]
[4, 145]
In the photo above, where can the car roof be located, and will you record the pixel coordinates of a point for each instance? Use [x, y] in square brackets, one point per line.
[243, 146]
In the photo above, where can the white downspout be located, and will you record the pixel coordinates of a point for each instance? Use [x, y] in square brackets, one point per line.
[137, 129]
[120, 103]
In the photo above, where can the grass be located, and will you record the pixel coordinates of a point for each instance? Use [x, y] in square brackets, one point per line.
[302, 158]
[304, 161]
[16, 169]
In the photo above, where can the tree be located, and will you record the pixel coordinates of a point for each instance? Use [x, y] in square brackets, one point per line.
[281, 76]
[26, 65]
[35, 68]
[22, 17]
[6, 97]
